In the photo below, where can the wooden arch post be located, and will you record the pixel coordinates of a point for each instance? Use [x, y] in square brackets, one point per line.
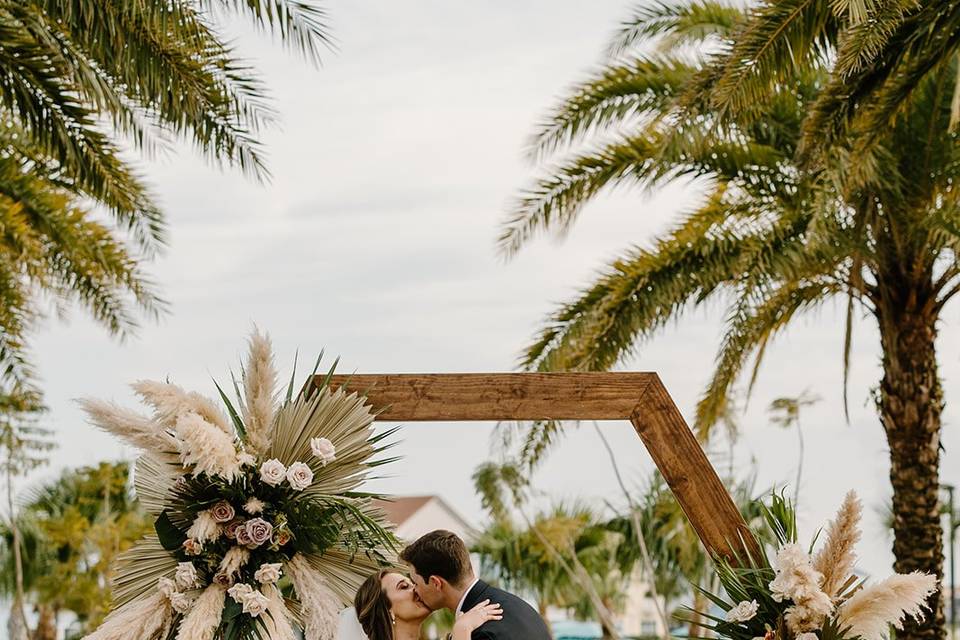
[639, 397]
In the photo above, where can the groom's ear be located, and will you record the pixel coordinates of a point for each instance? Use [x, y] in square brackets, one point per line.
[436, 582]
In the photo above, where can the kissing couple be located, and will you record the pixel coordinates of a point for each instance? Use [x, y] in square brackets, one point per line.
[393, 606]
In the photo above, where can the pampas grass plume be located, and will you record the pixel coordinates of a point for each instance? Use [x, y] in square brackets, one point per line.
[837, 557]
[320, 606]
[170, 401]
[206, 447]
[259, 385]
[278, 622]
[146, 618]
[202, 621]
[873, 608]
[233, 560]
[134, 428]
[204, 527]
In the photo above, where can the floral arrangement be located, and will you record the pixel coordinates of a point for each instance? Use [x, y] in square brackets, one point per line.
[259, 529]
[807, 596]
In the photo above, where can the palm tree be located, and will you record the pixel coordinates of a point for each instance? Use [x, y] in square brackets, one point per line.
[79, 81]
[785, 413]
[681, 565]
[23, 447]
[770, 239]
[76, 526]
[526, 559]
[557, 553]
[881, 54]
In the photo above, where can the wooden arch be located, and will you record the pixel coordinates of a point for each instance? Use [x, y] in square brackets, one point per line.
[639, 397]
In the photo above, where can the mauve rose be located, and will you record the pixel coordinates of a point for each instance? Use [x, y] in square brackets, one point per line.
[259, 531]
[191, 547]
[222, 512]
[243, 536]
[231, 528]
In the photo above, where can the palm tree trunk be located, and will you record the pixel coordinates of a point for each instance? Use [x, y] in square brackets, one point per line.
[910, 404]
[17, 623]
[46, 623]
[606, 632]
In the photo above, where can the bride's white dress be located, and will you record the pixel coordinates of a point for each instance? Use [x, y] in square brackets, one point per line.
[349, 628]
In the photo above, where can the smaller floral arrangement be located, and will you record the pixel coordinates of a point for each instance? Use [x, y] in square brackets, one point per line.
[806, 596]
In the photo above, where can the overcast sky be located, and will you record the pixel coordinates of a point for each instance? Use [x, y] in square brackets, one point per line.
[392, 169]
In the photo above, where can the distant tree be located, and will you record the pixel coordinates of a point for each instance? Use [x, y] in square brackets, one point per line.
[23, 446]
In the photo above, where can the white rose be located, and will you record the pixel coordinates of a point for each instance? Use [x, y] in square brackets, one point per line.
[744, 611]
[299, 476]
[809, 635]
[323, 449]
[268, 573]
[240, 591]
[181, 602]
[166, 586]
[186, 576]
[255, 603]
[272, 472]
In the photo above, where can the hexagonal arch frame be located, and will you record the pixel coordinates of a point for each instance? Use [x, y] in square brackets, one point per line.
[639, 397]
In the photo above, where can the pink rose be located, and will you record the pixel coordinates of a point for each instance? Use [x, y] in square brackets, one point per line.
[243, 536]
[222, 512]
[192, 547]
[259, 531]
[231, 528]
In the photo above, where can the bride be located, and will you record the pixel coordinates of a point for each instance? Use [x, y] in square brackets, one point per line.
[388, 609]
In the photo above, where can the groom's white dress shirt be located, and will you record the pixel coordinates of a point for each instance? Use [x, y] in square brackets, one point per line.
[459, 609]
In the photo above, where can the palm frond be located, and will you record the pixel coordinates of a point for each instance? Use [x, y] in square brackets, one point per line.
[751, 324]
[777, 37]
[609, 99]
[674, 24]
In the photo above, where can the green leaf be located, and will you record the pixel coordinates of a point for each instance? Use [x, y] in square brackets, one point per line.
[171, 538]
[293, 375]
[237, 422]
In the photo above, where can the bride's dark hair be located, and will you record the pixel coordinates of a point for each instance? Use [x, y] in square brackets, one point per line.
[373, 608]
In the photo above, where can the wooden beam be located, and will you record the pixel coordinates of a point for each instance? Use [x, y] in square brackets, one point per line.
[691, 477]
[639, 397]
[417, 397]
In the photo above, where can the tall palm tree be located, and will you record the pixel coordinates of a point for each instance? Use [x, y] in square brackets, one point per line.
[769, 239]
[79, 81]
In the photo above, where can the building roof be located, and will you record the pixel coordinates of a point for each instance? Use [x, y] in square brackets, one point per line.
[400, 508]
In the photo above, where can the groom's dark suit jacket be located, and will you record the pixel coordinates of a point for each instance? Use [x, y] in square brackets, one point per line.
[520, 620]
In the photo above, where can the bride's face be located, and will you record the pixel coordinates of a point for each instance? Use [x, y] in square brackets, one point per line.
[404, 603]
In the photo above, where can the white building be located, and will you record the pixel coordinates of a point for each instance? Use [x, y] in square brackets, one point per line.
[640, 617]
[414, 516]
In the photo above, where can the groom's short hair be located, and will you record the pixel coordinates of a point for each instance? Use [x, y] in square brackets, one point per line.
[439, 553]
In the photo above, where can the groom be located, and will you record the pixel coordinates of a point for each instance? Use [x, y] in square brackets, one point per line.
[443, 578]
